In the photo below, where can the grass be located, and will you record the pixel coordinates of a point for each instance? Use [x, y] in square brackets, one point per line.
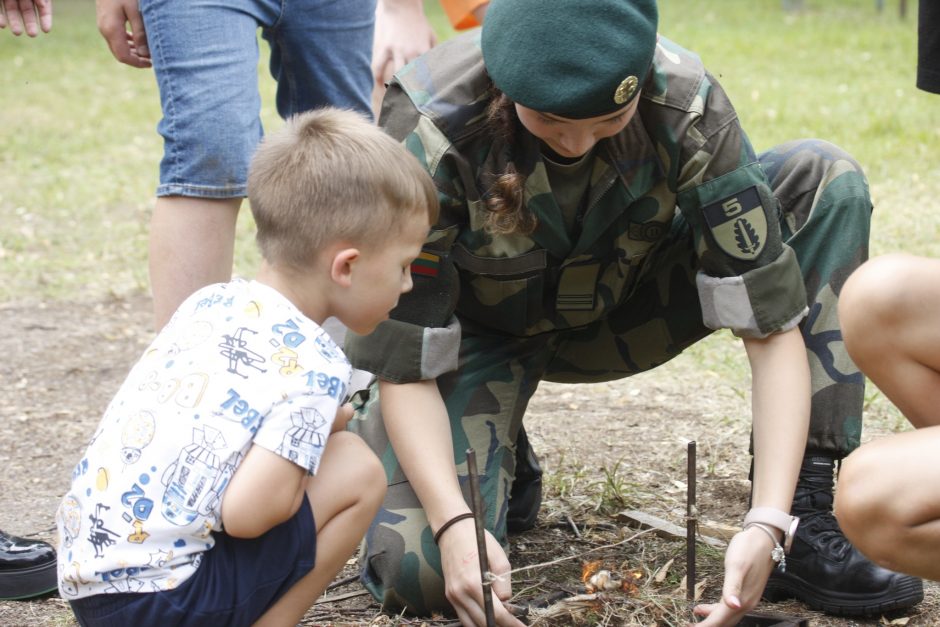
[79, 151]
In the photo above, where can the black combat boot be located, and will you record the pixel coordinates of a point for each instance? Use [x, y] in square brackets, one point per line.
[27, 567]
[525, 496]
[824, 570]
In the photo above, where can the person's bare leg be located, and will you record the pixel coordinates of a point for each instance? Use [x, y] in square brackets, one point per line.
[192, 243]
[887, 501]
[888, 313]
[345, 495]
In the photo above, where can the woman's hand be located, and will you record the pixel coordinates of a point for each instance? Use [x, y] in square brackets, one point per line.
[747, 567]
[462, 583]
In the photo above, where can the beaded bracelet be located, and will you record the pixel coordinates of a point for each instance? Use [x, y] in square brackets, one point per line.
[446, 526]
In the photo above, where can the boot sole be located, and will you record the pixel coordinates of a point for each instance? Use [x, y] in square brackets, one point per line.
[26, 583]
[907, 594]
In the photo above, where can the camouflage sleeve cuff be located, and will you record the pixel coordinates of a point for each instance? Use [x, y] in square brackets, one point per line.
[765, 300]
[401, 352]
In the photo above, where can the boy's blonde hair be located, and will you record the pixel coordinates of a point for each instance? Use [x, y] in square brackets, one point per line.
[330, 175]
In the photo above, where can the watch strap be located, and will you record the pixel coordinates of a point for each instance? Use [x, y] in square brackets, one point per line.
[776, 518]
[769, 516]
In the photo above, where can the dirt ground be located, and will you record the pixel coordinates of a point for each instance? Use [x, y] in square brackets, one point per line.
[605, 447]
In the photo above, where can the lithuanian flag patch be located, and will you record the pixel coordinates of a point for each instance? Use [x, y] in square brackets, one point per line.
[426, 264]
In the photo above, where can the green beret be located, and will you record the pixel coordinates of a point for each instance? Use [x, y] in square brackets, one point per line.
[573, 58]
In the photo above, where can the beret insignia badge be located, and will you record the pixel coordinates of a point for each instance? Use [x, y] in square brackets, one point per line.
[625, 89]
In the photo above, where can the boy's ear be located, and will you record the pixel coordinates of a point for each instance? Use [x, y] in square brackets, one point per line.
[341, 268]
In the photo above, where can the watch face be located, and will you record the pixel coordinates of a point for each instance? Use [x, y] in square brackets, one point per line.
[791, 531]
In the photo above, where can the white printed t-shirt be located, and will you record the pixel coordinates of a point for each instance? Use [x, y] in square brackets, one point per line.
[238, 364]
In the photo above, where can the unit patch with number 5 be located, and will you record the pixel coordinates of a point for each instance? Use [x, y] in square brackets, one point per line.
[738, 224]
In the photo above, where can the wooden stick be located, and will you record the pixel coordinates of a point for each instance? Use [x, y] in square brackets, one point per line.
[690, 523]
[478, 514]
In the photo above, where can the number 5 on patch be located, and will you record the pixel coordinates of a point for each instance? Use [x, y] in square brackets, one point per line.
[732, 207]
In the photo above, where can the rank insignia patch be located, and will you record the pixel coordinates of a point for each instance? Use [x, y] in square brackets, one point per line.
[426, 264]
[738, 224]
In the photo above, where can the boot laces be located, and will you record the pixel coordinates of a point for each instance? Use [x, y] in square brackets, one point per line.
[818, 523]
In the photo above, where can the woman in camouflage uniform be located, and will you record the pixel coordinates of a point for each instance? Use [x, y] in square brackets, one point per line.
[601, 210]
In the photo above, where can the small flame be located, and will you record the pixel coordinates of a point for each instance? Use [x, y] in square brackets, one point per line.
[597, 579]
[588, 570]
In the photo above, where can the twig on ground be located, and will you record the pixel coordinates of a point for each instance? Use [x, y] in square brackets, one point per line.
[343, 581]
[577, 555]
[573, 526]
[341, 597]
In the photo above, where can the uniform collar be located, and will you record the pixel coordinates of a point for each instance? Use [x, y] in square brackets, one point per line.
[626, 167]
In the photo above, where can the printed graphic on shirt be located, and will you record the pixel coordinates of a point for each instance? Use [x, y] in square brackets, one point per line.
[137, 433]
[137, 510]
[738, 224]
[328, 349]
[195, 481]
[70, 519]
[235, 348]
[287, 338]
[303, 443]
[99, 536]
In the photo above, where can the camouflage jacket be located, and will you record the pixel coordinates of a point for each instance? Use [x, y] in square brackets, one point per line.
[684, 152]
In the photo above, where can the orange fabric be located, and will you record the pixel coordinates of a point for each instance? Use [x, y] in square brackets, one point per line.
[460, 12]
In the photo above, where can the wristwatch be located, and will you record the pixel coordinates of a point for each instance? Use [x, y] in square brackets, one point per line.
[775, 518]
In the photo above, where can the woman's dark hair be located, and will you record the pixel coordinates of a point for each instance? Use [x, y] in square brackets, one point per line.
[507, 212]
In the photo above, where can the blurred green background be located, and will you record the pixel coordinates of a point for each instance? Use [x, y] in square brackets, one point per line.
[79, 150]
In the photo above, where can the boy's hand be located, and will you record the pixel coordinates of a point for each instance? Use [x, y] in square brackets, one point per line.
[27, 16]
[343, 415]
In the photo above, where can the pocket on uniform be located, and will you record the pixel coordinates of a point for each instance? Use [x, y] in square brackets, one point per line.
[502, 293]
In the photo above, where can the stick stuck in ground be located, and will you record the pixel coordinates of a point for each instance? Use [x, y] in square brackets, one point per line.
[478, 517]
[690, 524]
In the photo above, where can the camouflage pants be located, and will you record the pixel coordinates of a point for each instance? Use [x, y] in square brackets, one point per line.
[826, 213]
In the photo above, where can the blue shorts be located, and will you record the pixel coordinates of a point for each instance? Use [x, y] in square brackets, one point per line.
[237, 581]
[205, 58]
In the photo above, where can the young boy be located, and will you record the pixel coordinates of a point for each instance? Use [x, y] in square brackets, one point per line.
[215, 490]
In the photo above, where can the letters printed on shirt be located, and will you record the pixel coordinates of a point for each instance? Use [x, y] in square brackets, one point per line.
[738, 224]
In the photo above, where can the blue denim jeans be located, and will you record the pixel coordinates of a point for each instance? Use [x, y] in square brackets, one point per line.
[205, 58]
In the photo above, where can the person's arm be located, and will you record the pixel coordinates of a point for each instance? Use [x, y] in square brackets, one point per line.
[419, 430]
[402, 32]
[780, 406]
[27, 16]
[265, 491]
[129, 48]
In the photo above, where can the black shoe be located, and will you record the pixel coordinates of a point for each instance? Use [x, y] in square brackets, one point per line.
[27, 568]
[824, 570]
[525, 496]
